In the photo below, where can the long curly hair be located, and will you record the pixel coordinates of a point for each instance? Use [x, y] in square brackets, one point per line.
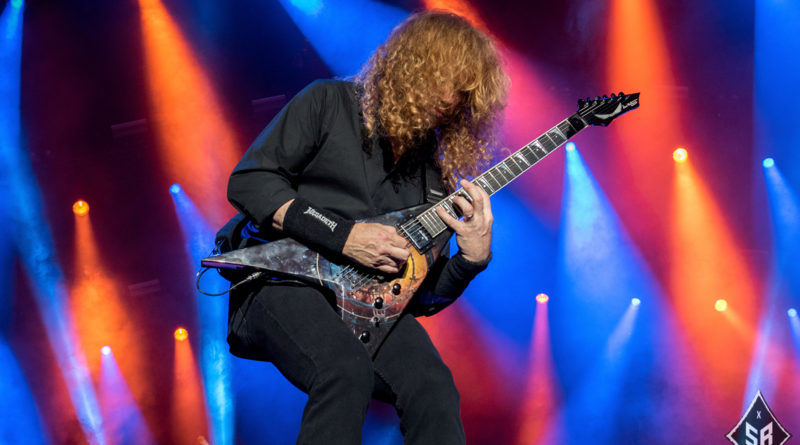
[437, 73]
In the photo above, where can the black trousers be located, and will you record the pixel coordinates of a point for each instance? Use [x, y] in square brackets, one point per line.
[297, 329]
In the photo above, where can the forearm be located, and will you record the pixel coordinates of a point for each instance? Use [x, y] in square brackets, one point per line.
[455, 275]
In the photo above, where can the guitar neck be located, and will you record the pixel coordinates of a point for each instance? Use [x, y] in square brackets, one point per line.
[495, 178]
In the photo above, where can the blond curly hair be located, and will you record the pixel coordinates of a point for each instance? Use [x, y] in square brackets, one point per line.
[436, 72]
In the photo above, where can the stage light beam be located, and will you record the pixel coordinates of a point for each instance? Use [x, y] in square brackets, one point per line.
[32, 234]
[212, 315]
[329, 28]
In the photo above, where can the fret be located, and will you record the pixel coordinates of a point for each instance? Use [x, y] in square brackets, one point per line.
[556, 136]
[538, 149]
[449, 208]
[547, 143]
[436, 222]
[499, 175]
[424, 220]
[507, 171]
[490, 176]
[426, 223]
[511, 166]
[519, 158]
[566, 128]
[530, 154]
[484, 184]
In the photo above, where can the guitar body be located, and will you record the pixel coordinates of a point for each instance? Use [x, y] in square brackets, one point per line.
[368, 301]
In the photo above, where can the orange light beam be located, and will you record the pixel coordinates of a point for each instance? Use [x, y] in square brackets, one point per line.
[708, 266]
[540, 401]
[99, 315]
[198, 147]
[188, 402]
[639, 60]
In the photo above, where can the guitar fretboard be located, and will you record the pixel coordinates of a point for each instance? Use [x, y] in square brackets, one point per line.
[427, 225]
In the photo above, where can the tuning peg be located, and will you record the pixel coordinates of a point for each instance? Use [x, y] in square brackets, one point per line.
[613, 95]
[597, 98]
[621, 93]
[605, 97]
[581, 103]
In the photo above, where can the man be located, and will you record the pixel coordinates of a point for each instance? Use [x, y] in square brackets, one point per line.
[428, 100]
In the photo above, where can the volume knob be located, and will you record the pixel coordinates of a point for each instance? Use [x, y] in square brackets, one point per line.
[378, 303]
[396, 289]
[364, 337]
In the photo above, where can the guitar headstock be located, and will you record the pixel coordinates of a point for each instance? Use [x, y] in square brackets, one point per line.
[603, 110]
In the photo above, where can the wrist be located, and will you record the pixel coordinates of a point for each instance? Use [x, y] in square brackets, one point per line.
[317, 228]
[471, 261]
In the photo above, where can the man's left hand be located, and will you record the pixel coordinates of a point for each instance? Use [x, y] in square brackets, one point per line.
[474, 231]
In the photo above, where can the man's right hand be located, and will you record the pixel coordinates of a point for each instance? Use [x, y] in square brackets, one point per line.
[377, 246]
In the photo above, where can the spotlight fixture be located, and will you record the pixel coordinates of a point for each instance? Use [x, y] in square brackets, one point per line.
[181, 334]
[636, 301]
[768, 162]
[105, 350]
[175, 189]
[570, 146]
[80, 207]
[542, 298]
[680, 155]
[792, 312]
[721, 305]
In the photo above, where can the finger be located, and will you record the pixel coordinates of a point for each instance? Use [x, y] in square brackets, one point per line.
[397, 254]
[388, 269]
[448, 219]
[464, 207]
[477, 194]
[398, 240]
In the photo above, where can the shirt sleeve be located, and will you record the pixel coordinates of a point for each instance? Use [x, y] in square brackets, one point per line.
[266, 176]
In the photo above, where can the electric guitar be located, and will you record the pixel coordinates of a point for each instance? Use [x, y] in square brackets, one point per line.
[369, 301]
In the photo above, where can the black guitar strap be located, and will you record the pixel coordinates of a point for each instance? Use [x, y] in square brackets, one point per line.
[434, 192]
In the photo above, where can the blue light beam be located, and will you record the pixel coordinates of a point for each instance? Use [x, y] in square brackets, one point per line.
[775, 134]
[794, 323]
[601, 275]
[783, 282]
[212, 313]
[21, 422]
[124, 420]
[33, 239]
[344, 33]
[601, 268]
